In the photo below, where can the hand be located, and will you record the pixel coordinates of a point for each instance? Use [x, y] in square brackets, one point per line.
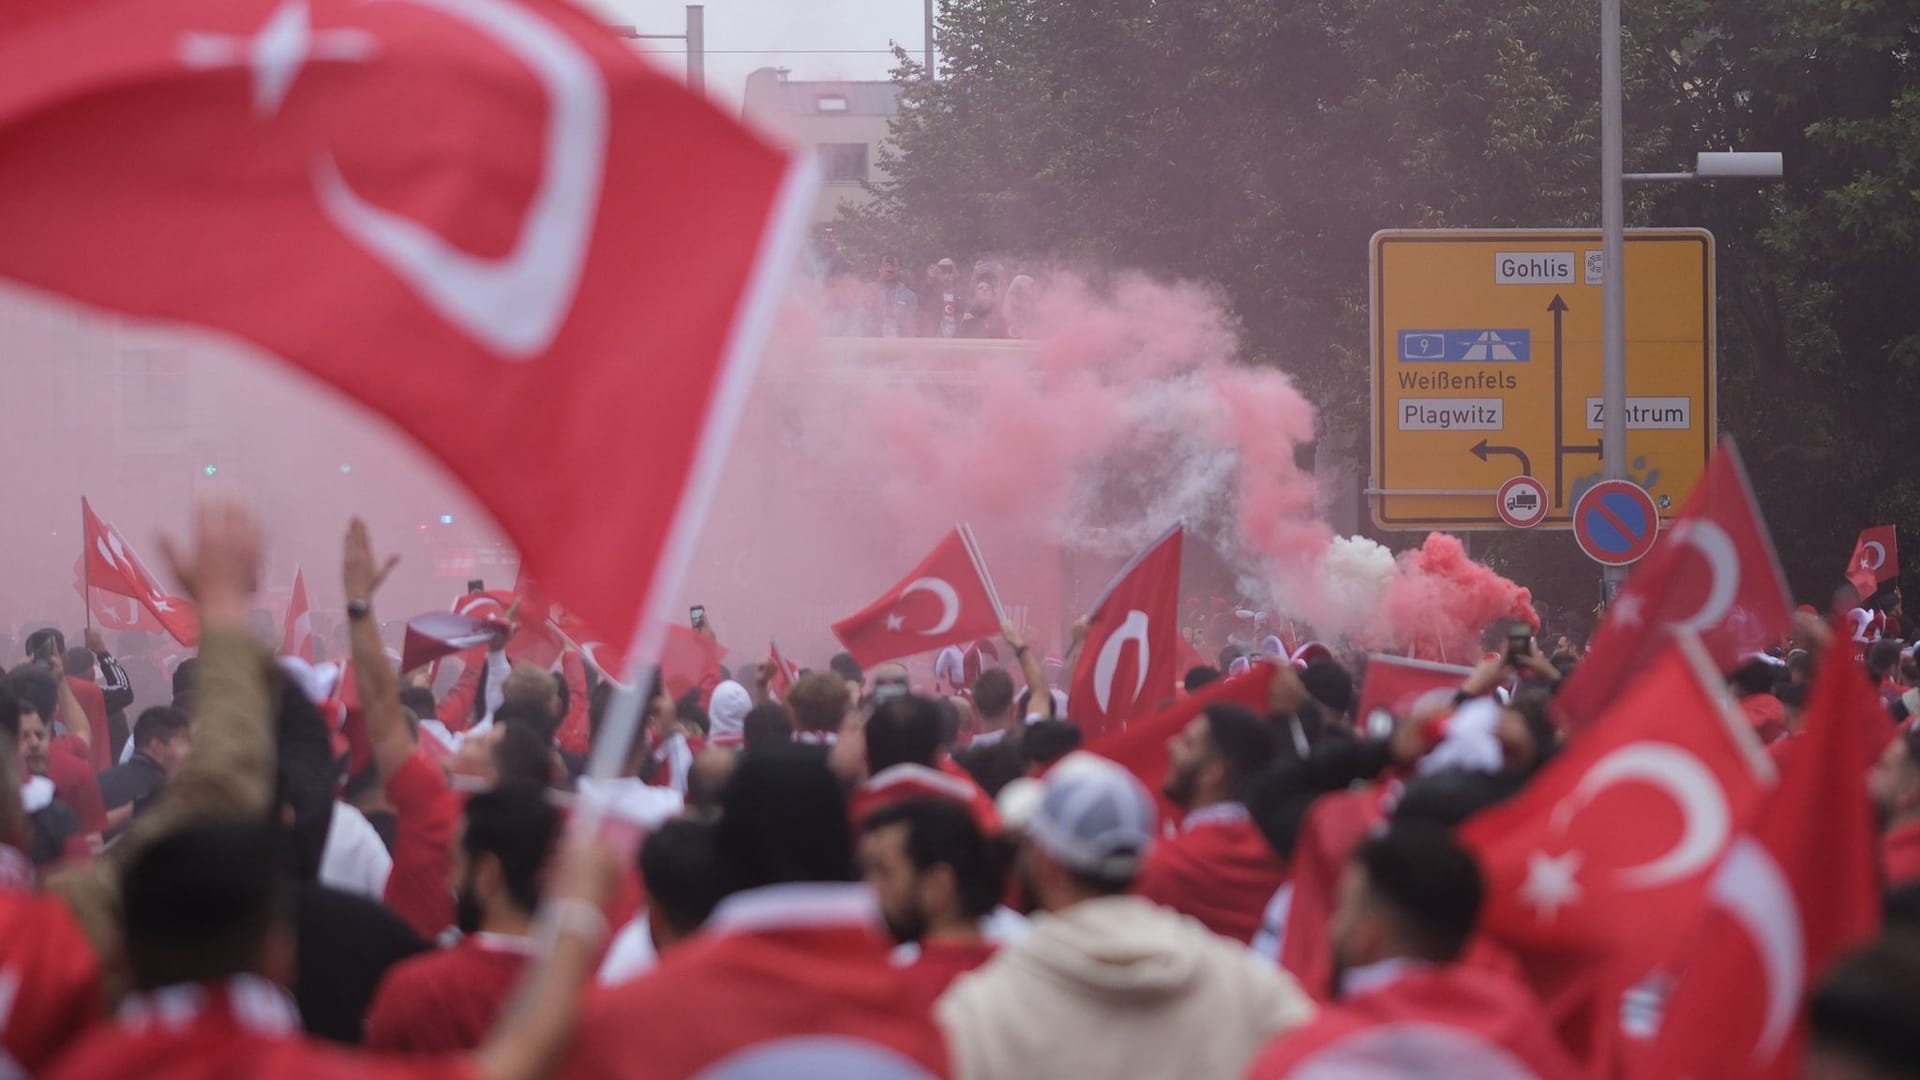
[505, 633]
[1080, 627]
[56, 663]
[1012, 635]
[95, 642]
[223, 569]
[1413, 736]
[360, 572]
[1488, 675]
[764, 672]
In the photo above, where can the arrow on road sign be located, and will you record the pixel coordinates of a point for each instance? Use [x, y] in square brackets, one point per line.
[1481, 450]
[1559, 309]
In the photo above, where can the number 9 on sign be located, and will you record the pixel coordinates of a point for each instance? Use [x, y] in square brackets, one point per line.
[1522, 502]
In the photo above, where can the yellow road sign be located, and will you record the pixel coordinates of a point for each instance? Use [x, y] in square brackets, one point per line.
[1486, 366]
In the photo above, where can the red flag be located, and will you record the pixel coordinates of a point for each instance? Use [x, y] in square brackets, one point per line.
[1395, 683]
[1794, 891]
[1876, 560]
[690, 660]
[944, 601]
[113, 566]
[1623, 828]
[297, 638]
[1111, 683]
[1142, 747]
[1713, 575]
[785, 673]
[111, 611]
[547, 229]
[439, 634]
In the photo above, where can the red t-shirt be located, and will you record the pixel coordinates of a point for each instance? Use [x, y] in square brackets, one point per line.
[941, 962]
[795, 976]
[446, 1000]
[1451, 1021]
[93, 702]
[426, 814]
[48, 971]
[239, 1031]
[76, 784]
[1900, 856]
[1219, 869]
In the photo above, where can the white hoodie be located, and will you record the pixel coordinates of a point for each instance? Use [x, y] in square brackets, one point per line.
[1118, 986]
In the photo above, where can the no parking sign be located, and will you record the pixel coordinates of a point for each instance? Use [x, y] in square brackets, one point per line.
[1616, 522]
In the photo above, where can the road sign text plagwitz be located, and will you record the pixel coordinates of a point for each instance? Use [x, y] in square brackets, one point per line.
[1487, 359]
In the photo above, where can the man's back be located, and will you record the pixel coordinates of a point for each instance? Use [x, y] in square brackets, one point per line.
[793, 977]
[1220, 870]
[1118, 986]
[448, 999]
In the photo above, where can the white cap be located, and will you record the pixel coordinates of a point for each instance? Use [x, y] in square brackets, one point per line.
[1094, 817]
[727, 709]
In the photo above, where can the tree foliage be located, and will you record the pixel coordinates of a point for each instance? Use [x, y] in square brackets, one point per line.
[1258, 145]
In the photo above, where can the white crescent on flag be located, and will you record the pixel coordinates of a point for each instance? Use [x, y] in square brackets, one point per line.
[949, 603]
[1683, 779]
[1723, 565]
[1134, 628]
[1750, 888]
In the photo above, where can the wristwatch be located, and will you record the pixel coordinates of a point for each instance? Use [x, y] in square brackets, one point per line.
[358, 609]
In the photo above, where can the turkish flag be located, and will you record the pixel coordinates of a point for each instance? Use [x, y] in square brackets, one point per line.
[440, 634]
[1142, 747]
[785, 673]
[690, 661]
[1112, 683]
[297, 638]
[1876, 560]
[1395, 683]
[111, 611]
[113, 566]
[1713, 574]
[1625, 825]
[489, 222]
[1794, 891]
[946, 600]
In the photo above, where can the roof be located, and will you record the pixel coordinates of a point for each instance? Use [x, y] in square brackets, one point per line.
[768, 92]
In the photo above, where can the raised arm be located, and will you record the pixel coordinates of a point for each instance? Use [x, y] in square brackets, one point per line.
[1039, 696]
[71, 713]
[114, 685]
[361, 574]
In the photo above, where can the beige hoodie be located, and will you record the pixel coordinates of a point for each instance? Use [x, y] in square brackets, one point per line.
[1118, 987]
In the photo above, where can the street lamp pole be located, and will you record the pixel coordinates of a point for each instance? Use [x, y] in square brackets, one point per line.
[1613, 285]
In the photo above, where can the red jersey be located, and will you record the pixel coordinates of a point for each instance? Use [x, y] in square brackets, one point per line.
[940, 963]
[900, 783]
[238, 1030]
[1417, 1020]
[1219, 869]
[788, 980]
[426, 813]
[1900, 856]
[93, 702]
[76, 784]
[49, 976]
[447, 1000]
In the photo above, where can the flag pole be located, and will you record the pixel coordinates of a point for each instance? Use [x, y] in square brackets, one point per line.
[980, 567]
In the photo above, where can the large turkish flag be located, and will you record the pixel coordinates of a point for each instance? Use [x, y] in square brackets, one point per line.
[487, 220]
[1112, 683]
[946, 600]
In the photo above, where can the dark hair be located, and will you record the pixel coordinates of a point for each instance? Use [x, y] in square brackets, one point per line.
[993, 693]
[1900, 907]
[680, 867]
[79, 661]
[160, 722]
[183, 680]
[562, 698]
[515, 824]
[1864, 1007]
[9, 713]
[306, 773]
[1329, 684]
[1198, 677]
[523, 755]
[420, 700]
[1753, 677]
[904, 731]
[691, 712]
[949, 722]
[198, 902]
[783, 820]
[943, 832]
[766, 724]
[1451, 796]
[819, 701]
[845, 666]
[1535, 708]
[1243, 739]
[1792, 695]
[1883, 656]
[1431, 887]
[1048, 741]
[44, 638]
[532, 715]
[36, 690]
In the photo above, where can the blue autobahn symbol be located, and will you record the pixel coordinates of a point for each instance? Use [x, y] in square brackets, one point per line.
[1466, 346]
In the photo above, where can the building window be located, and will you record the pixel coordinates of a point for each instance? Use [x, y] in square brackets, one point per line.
[844, 163]
[831, 103]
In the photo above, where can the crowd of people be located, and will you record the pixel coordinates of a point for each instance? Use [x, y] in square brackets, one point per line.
[839, 874]
[887, 300]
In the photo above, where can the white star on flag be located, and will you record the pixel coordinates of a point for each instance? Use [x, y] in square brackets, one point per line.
[895, 622]
[1550, 883]
[277, 53]
[1626, 609]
